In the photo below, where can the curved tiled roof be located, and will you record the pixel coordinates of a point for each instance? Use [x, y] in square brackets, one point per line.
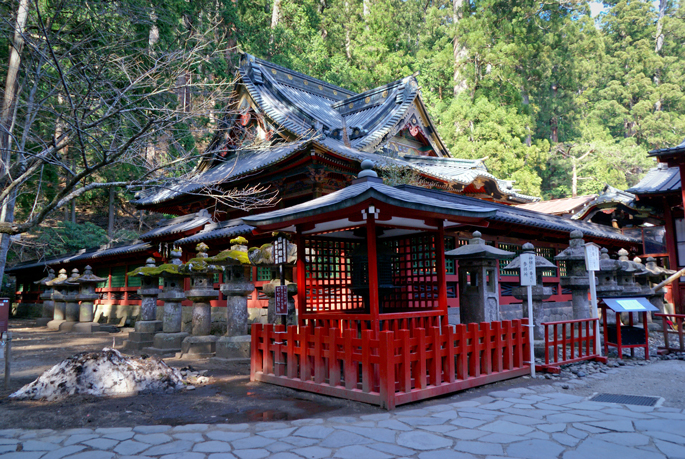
[529, 218]
[661, 179]
[83, 255]
[178, 225]
[221, 230]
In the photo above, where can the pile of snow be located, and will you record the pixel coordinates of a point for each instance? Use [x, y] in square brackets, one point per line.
[102, 373]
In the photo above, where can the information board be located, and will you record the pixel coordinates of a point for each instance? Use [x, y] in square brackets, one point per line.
[591, 257]
[281, 297]
[527, 269]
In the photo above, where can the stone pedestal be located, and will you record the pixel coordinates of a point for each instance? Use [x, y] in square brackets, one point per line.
[236, 288]
[59, 300]
[576, 278]
[478, 286]
[201, 344]
[46, 297]
[147, 325]
[169, 341]
[72, 308]
[87, 296]
[270, 291]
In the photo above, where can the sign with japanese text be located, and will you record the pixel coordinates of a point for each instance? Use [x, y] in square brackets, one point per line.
[280, 251]
[591, 257]
[281, 298]
[528, 269]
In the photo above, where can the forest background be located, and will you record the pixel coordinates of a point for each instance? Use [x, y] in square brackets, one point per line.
[562, 96]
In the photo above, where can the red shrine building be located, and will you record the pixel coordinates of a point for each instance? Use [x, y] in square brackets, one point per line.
[306, 138]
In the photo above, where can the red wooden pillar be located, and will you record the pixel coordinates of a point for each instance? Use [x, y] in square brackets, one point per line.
[672, 254]
[373, 270]
[440, 260]
[301, 277]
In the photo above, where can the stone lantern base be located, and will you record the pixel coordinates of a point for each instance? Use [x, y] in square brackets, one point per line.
[55, 324]
[144, 335]
[43, 321]
[167, 343]
[86, 327]
[199, 347]
[67, 325]
[233, 347]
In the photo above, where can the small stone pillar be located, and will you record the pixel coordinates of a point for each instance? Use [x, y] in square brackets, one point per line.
[576, 278]
[237, 289]
[58, 298]
[270, 291]
[539, 292]
[201, 344]
[71, 308]
[169, 341]
[147, 325]
[478, 286]
[87, 296]
[46, 296]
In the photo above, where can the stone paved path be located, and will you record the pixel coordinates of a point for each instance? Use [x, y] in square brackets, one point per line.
[518, 423]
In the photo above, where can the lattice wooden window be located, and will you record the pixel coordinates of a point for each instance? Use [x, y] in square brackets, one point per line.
[104, 273]
[134, 281]
[562, 267]
[549, 254]
[415, 280]
[516, 248]
[263, 274]
[118, 276]
[328, 273]
[450, 264]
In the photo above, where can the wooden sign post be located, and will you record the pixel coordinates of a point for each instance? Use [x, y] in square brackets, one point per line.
[528, 279]
[592, 265]
[281, 291]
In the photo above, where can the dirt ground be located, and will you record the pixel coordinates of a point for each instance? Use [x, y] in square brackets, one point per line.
[230, 397]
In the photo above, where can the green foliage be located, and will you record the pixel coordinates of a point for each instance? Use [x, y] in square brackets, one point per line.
[67, 237]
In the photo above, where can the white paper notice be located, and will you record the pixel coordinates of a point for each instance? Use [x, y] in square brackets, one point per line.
[631, 305]
[527, 269]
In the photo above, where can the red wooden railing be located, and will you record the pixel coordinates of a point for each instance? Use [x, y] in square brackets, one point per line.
[573, 339]
[389, 368]
[677, 320]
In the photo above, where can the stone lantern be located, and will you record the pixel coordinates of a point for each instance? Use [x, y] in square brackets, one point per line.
[576, 278]
[59, 300]
[607, 276]
[169, 341]
[478, 286]
[626, 275]
[46, 296]
[236, 288]
[201, 344]
[656, 275]
[147, 325]
[71, 308]
[539, 291]
[87, 296]
[269, 289]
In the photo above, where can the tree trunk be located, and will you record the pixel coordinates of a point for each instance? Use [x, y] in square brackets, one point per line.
[574, 177]
[275, 16]
[526, 102]
[458, 49]
[6, 115]
[110, 223]
[657, 48]
[348, 40]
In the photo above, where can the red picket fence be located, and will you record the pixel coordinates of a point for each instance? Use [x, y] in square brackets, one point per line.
[389, 368]
[677, 321]
[573, 339]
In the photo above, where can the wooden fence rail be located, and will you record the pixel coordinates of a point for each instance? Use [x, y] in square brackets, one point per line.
[389, 368]
[573, 339]
[677, 321]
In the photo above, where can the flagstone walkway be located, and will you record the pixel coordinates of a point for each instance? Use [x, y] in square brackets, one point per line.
[536, 423]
